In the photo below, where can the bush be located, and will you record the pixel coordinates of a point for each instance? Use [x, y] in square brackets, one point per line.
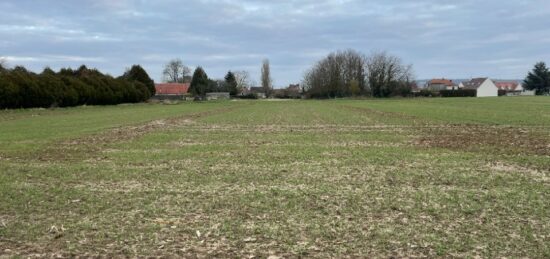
[286, 94]
[459, 93]
[401, 90]
[426, 93]
[247, 96]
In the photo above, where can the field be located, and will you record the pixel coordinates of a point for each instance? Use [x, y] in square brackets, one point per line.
[344, 178]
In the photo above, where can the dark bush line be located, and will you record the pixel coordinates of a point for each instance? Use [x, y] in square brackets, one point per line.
[20, 88]
[426, 93]
[458, 93]
[247, 96]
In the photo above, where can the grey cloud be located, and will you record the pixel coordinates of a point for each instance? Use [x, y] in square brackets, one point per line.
[440, 37]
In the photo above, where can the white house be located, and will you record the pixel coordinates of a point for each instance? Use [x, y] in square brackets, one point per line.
[485, 87]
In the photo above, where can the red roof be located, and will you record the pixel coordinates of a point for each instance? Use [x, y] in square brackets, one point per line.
[172, 88]
[443, 81]
[507, 85]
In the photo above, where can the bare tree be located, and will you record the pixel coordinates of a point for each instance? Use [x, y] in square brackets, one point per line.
[387, 74]
[266, 78]
[341, 73]
[3, 63]
[243, 80]
[175, 71]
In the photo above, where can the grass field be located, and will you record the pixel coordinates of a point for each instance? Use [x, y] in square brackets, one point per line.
[374, 178]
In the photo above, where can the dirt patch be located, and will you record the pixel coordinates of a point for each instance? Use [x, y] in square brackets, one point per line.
[379, 113]
[502, 140]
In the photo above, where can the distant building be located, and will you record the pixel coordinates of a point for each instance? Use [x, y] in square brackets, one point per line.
[171, 90]
[295, 88]
[218, 96]
[485, 87]
[441, 84]
[294, 91]
[258, 91]
[511, 87]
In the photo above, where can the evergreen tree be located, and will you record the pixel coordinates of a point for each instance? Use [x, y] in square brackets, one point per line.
[137, 73]
[538, 79]
[199, 82]
[20, 88]
[231, 83]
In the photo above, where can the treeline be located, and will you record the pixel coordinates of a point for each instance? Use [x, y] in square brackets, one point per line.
[201, 84]
[350, 73]
[20, 88]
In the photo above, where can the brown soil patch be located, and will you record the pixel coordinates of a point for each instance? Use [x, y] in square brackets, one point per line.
[407, 117]
[502, 140]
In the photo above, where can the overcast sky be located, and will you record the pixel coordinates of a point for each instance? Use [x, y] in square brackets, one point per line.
[441, 38]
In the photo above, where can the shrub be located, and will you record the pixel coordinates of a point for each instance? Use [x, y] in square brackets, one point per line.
[247, 96]
[426, 93]
[20, 88]
[459, 93]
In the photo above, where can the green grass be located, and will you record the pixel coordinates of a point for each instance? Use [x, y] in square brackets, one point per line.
[490, 111]
[346, 178]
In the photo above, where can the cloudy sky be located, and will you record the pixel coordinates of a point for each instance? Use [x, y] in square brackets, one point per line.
[441, 38]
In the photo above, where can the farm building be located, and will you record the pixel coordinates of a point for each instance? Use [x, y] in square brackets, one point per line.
[172, 91]
[218, 96]
[485, 87]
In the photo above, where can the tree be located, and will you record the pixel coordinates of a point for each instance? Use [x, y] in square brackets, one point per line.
[20, 88]
[243, 80]
[538, 79]
[231, 83]
[9, 92]
[137, 73]
[266, 78]
[387, 73]
[199, 82]
[354, 88]
[340, 74]
[175, 71]
[3, 64]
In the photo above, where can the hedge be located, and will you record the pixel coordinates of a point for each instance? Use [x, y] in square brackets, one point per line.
[20, 88]
[458, 93]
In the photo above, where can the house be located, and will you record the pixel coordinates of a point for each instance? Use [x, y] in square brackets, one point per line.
[485, 87]
[258, 91]
[441, 84]
[294, 88]
[510, 87]
[172, 91]
[294, 91]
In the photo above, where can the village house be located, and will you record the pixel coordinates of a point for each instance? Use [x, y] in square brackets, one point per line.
[171, 91]
[441, 84]
[258, 91]
[510, 87]
[293, 91]
[485, 87]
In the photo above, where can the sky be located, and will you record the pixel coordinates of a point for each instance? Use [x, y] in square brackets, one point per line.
[501, 39]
